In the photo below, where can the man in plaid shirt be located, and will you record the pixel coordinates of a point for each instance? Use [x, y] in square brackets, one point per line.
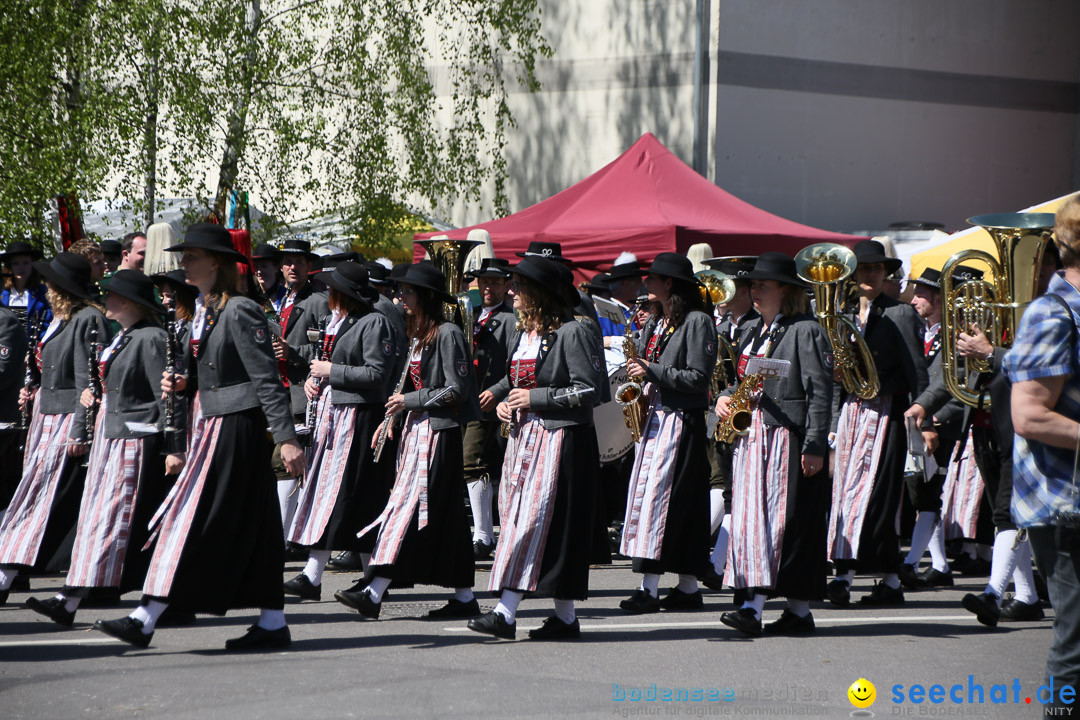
[1044, 367]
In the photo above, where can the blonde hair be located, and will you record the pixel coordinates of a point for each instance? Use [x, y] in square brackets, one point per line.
[541, 310]
[65, 305]
[1067, 232]
[795, 301]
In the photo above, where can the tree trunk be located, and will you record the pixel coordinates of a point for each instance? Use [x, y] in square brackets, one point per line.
[235, 134]
[150, 142]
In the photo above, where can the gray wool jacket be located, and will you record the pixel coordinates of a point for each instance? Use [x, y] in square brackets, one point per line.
[686, 361]
[12, 366]
[236, 369]
[133, 384]
[569, 374]
[492, 348]
[399, 333]
[445, 364]
[309, 311]
[802, 400]
[65, 370]
[362, 360]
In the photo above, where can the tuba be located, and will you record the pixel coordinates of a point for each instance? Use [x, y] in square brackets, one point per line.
[450, 256]
[826, 266]
[995, 306]
[718, 288]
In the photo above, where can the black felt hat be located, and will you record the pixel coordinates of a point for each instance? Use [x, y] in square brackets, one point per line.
[111, 247]
[871, 251]
[426, 275]
[551, 275]
[134, 286]
[352, 279]
[624, 271]
[18, 247]
[492, 268]
[378, 274]
[210, 237]
[673, 265]
[775, 266]
[265, 251]
[931, 278]
[295, 246]
[600, 282]
[546, 250]
[67, 271]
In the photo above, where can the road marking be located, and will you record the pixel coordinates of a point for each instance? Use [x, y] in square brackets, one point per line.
[86, 641]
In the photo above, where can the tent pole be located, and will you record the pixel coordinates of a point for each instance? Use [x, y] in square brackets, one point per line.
[701, 89]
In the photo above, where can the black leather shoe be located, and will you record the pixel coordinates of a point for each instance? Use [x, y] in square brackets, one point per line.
[53, 609]
[744, 620]
[977, 568]
[21, 583]
[3, 597]
[361, 602]
[555, 629]
[482, 550]
[640, 602]
[791, 624]
[985, 607]
[712, 580]
[1016, 610]
[882, 594]
[839, 593]
[676, 599]
[493, 623]
[936, 578]
[175, 618]
[455, 610]
[345, 561]
[908, 577]
[127, 629]
[301, 587]
[257, 638]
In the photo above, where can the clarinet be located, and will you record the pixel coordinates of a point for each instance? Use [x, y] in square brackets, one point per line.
[29, 377]
[174, 438]
[385, 427]
[312, 419]
[94, 382]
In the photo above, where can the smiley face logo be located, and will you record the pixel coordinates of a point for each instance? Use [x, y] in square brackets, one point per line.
[862, 693]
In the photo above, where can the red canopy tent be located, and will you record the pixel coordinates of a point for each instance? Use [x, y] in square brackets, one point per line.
[646, 201]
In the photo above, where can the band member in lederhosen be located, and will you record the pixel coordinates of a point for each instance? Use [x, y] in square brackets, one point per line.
[221, 504]
[484, 448]
[126, 475]
[548, 501]
[24, 292]
[871, 439]
[780, 490]
[39, 526]
[667, 514]
[345, 488]
[731, 318]
[303, 309]
[423, 532]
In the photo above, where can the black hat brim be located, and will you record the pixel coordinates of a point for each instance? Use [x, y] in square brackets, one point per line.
[366, 294]
[555, 258]
[309, 255]
[925, 284]
[439, 292]
[33, 253]
[208, 247]
[132, 297]
[673, 275]
[891, 264]
[45, 270]
[778, 277]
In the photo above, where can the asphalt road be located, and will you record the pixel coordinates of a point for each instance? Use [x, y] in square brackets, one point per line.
[403, 666]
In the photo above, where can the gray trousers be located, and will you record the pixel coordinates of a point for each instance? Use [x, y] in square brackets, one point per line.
[1057, 553]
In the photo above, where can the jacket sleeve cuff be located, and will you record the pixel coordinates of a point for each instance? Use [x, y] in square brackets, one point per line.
[414, 400]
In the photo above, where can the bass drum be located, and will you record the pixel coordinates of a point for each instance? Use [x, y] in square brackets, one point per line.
[612, 435]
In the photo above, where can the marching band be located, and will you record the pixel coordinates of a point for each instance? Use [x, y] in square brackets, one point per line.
[211, 436]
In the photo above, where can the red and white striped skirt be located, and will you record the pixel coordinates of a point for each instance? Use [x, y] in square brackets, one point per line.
[859, 443]
[962, 494]
[759, 497]
[650, 483]
[416, 451]
[27, 515]
[108, 506]
[526, 503]
[172, 521]
[326, 467]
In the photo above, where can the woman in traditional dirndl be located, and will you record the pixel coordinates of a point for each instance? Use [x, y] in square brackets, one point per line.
[126, 475]
[780, 492]
[548, 501]
[38, 528]
[345, 488]
[424, 533]
[222, 505]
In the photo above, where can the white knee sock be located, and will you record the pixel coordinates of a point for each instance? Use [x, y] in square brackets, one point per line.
[651, 583]
[376, 588]
[316, 563]
[148, 614]
[508, 605]
[1003, 564]
[757, 603]
[891, 579]
[271, 619]
[464, 594]
[480, 501]
[688, 584]
[719, 553]
[920, 536]
[564, 610]
[70, 604]
[6, 578]
[716, 508]
[801, 608]
[938, 557]
[1022, 575]
[287, 501]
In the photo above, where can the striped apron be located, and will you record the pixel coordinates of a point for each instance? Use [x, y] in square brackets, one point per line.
[325, 470]
[650, 481]
[23, 526]
[416, 452]
[759, 497]
[108, 505]
[859, 444]
[172, 522]
[962, 495]
[526, 503]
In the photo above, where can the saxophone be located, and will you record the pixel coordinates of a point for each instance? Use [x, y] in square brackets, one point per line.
[631, 395]
[742, 406]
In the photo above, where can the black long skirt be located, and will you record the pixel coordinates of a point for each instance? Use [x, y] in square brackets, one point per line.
[442, 553]
[685, 545]
[801, 573]
[233, 554]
